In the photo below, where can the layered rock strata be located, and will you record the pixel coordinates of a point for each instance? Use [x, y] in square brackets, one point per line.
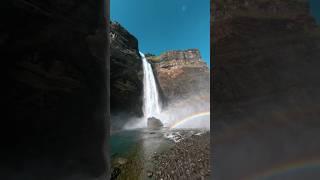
[181, 73]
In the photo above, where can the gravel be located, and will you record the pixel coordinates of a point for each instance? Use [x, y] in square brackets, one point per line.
[188, 159]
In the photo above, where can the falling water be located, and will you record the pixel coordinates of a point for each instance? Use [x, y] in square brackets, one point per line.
[151, 105]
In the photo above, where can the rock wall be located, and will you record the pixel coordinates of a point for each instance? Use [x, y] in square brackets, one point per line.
[181, 73]
[53, 59]
[126, 74]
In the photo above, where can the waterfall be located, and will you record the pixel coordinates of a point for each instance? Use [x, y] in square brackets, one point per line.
[151, 104]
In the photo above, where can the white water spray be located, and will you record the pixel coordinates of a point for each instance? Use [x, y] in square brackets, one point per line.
[151, 103]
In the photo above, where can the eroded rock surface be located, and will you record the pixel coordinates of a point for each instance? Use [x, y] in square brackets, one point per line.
[126, 74]
[181, 73]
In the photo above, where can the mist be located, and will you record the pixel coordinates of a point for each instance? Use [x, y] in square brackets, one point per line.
[178, 110]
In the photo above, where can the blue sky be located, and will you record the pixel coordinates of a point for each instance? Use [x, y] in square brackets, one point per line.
[315, 9]
[162, 25]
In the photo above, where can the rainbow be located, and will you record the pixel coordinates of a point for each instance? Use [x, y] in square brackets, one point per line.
[195, 115]
[292, 167]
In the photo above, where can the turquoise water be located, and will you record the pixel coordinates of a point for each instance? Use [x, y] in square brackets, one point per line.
[137, 147]
[146, 141]
[123, 141]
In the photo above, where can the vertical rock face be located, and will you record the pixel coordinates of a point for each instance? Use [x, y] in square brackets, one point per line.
[181, 73]
[55, 103]
[182, 57]
[125, 73]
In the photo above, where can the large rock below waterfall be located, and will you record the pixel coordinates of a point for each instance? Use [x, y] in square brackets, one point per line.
[154, 123]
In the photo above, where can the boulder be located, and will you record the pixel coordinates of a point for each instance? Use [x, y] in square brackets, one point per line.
[154, 123]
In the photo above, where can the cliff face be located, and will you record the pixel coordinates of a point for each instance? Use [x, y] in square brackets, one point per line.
[53, 56]
[266, 85]
[126, 73]
[181, 73]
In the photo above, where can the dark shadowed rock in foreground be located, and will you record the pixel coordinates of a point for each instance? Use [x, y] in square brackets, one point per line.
[53, 57]
[154, 123]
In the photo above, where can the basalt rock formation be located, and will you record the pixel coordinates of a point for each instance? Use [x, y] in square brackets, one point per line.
[53, 58]
[126, 73]
[181, 73]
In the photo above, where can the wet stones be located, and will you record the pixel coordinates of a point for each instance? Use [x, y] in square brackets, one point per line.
[115, 173]
[122, 161]
[149, 174]
[154, 123]
[188, 159]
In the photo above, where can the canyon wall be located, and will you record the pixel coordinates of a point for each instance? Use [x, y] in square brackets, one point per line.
[181, 74]
[126, 74]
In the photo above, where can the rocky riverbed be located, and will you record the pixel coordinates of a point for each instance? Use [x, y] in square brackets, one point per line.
[163, 154]
[188, 159]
